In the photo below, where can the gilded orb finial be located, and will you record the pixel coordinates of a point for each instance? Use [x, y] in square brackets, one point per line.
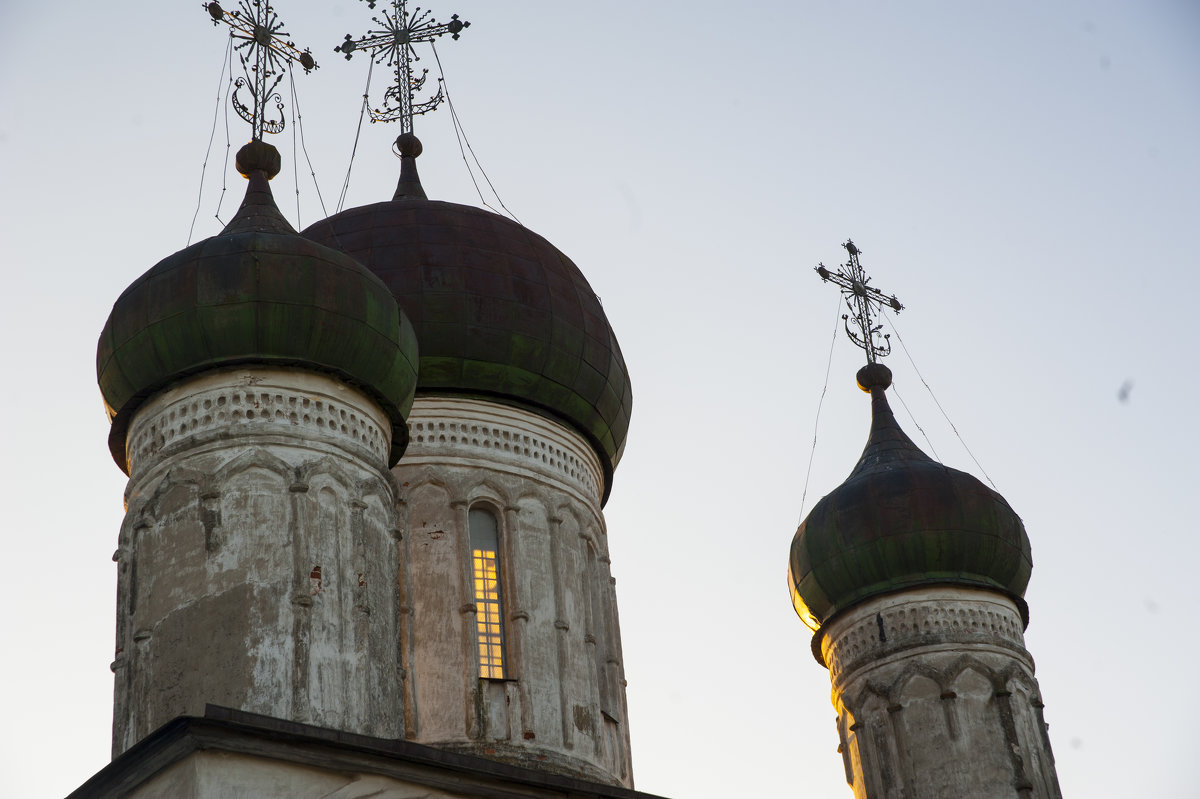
[394, 45]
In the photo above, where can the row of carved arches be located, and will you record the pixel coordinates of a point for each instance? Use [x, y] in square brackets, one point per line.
[968, 726]
[243, 536]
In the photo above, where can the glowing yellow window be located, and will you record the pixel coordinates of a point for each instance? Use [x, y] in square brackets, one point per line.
[489, 617]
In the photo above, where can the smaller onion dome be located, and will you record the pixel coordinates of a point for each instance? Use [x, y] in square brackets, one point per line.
[500, 312]
[902, 520]
[257, 292]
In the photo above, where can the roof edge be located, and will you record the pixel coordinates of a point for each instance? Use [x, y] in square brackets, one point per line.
[228, 730]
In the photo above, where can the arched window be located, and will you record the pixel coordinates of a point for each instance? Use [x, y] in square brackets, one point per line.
[485, 568]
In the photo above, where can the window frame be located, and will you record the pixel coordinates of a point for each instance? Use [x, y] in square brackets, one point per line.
[487, 565]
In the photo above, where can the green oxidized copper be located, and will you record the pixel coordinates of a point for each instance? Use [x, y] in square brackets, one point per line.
[902, 520]
[256, 293]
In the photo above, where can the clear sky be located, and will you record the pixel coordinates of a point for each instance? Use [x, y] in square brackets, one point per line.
[1024, 175]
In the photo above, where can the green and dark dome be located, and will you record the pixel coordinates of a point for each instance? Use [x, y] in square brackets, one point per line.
[499, 311]
[902, 520]
[258, 292]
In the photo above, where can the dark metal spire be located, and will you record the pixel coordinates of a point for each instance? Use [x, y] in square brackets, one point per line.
[395, 45]
[864, 301]
[258, 36]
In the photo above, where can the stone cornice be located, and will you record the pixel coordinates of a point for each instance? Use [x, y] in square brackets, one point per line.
[442, 428]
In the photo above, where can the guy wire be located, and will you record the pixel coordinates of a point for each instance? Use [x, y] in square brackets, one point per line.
[228, 146]
[945, 416]
[299, 123]
[917, 424]
[828, 365]
[461, 134]
[362, 111]
[211, 135]
[295, 167]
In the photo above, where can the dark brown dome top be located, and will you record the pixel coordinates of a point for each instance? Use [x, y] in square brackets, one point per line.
[499, 311]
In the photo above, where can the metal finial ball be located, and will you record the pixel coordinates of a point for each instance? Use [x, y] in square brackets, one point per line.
[874, 375]
[408, 145]
[258, 156]
[215, 11]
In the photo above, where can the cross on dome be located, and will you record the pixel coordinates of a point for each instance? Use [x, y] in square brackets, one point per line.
[259, 39]
[395, 45]
[865, 303]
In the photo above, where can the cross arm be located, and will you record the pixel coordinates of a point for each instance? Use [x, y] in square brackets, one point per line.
[858, 287]
[247, 29]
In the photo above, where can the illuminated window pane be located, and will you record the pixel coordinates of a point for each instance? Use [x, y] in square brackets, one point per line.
[485, 569]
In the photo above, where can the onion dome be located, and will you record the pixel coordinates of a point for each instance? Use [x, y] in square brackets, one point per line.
[500, 312]
[258, 292]
[902, 520]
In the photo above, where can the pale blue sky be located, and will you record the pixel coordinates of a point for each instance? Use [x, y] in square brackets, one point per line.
[1025, 176]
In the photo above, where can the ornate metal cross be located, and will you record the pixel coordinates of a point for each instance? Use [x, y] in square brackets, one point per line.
[263, 52]
[864, 302]
[395, 44]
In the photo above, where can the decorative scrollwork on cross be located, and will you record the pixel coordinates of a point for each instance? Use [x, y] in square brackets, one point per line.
[259, 41]
[865, 303]
[394, 45]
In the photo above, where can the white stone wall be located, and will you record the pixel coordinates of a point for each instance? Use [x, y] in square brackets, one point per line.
[257, 556]
[562, 706]
[936, 698]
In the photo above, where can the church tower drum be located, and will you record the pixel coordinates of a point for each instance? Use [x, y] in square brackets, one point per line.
[300, 610]
[911, 575]
[509, 631]
[257, 384]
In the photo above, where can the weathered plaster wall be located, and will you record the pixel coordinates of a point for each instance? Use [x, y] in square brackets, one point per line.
[257, 556]
[562, 706]
[936, 698]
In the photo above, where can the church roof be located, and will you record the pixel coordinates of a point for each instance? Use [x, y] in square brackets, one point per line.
[499, 311]
[257, 292]
[902, 520]
[275, 751]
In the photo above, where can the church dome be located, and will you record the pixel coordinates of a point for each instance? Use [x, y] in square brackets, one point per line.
[257, 292]
[902, 520]
[500, 312]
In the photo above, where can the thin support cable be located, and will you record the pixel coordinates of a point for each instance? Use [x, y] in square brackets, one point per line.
[945, 416]
[458, 135]
[916, 424]
[362, 112]
[461, 133]
[228, 146]
[816, 422]
[459, 127]
[212, 134]
[295, 166]
[299, 119]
